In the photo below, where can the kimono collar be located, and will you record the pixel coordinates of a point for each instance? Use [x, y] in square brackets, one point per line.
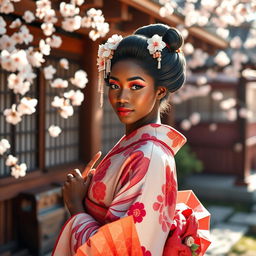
[160, 132]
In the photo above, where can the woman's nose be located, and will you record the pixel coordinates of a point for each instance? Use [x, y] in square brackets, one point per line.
[123, 96]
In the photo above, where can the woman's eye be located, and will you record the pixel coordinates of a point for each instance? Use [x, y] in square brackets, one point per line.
[113, 86]
[136, 87]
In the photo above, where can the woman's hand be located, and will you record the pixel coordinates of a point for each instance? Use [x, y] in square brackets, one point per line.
[76, 187]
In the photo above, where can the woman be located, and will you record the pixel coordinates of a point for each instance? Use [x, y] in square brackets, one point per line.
[128, 206]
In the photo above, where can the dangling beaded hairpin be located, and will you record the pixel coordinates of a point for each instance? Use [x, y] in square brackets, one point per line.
[155, 46]
[105, 54]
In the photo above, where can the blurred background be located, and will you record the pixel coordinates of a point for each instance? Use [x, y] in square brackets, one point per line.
[51, 120]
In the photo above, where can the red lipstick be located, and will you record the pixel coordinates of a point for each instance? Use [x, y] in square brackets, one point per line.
[124, 111]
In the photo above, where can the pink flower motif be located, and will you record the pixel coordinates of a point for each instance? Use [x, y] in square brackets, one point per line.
[101, 170]
[164, 221]
[99, 191]
[167, 200]
[145, 252]
[138, 212]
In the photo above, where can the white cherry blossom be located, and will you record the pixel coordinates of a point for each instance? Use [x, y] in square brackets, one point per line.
[155, 43]
[54, 41]
[114, 41]
[19, 58]
[66, 110]
[16, 23]
[7, 62]
[7, 43]
[222, 59]
[12, 116]
[71, 24]
[195, 118]
[50, 16]
[27, 36]
[68, 10]
[213, 127]
[27, 106]
[11, 160]
[59, 83]
[245, 113]
[231, 114]
[54, 131]
[4, 146]
[48, 29]
[44, 47]
[76, 97]
[185, 124]
[201, 80]
[58, 102]
[80, 79]
[228, 103]
[86, 22]
[49, 71]
[17, 84]
[28, 16]
[77, 2]
[2, 26]
[104, 51]
[188, 48]
[217, 95]
[17, 37]
[19, 170]
[6, 7]
[236, 42]
[64, 63]
[36, 58]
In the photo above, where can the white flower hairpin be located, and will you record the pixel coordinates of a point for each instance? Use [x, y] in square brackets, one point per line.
[105, 54]
[155, 46]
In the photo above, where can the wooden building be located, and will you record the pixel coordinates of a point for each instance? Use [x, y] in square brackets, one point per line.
[26, 204]
[231, 148]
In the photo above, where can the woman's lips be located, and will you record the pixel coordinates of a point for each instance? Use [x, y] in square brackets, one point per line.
[124, 111]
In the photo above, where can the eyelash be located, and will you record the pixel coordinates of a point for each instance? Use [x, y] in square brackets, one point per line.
[114, 86]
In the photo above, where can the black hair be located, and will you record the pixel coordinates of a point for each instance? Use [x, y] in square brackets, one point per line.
[172, 72]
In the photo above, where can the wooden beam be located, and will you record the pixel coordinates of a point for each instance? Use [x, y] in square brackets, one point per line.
[151, 8]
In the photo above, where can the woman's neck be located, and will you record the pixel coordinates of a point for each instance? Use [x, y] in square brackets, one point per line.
[129, 128]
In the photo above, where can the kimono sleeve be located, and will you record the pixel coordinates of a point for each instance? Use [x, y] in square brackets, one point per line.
[148, 191]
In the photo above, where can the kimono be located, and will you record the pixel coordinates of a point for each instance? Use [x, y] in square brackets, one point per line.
[133, 194]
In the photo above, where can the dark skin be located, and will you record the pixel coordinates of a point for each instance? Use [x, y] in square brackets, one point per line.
[136, 101]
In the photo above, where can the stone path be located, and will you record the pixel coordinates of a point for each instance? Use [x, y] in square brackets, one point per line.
[227, 227]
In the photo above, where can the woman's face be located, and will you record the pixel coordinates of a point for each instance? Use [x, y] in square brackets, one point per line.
[132, 93]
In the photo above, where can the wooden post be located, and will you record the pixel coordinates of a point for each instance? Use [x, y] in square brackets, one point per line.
[91, 113]
[244, 170]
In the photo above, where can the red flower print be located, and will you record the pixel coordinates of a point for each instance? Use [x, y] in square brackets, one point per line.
[130, 135]
[101, 170]
[99, 190]
[155, 125]
[138, 212]
[170, 191]
[177, 139]
[145, 252]
[135, 169]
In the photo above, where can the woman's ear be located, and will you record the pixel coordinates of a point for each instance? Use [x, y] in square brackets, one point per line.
[161, 92]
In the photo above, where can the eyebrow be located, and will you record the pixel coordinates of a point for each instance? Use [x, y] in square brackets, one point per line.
[129, 79]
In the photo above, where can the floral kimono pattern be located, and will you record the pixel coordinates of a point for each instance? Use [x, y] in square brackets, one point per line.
[136, 178]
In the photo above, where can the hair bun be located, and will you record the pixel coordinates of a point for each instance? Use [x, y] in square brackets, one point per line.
[171, 36]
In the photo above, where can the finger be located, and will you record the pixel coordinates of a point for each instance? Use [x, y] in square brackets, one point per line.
[70, 176]
[76, 173]
[90, 165]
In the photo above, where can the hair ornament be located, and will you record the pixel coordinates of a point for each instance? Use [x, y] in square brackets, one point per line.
[105, 54]
[155, 46]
